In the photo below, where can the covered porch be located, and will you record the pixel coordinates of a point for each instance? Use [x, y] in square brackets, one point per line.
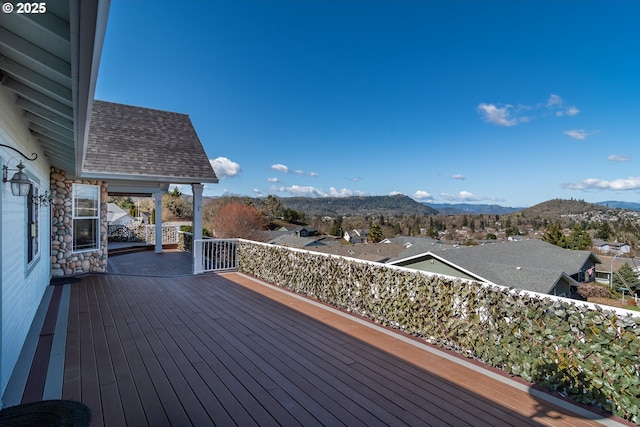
[149, 345]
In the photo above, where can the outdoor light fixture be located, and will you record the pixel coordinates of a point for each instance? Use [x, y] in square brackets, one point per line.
[20, 183]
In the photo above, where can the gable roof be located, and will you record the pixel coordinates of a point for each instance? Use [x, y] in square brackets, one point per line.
[296, 241]
[133, 143]
[529, 264]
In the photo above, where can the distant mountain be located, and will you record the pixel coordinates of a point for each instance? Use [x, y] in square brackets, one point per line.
[467, 208]
[396, 205]
[558, 207]
[620, 205]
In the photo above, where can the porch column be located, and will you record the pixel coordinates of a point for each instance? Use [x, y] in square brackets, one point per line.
[157, 197]
[197, 210]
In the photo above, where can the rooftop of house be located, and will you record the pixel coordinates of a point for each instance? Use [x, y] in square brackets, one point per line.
[115, 212]
[293, 240]
[526, 264]
[131, 142]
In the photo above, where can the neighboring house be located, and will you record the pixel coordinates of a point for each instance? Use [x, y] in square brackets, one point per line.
[422, 244]
[356, 236]
[75, 152]
[295, 241]
[531, 265]
[298, 237]
[118, 216]
[305, 231]
[611, 247]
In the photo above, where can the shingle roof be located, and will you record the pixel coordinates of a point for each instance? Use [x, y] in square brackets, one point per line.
[529, 264]
[139, 143]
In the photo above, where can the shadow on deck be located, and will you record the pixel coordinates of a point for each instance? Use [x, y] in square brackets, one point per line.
[169, 263]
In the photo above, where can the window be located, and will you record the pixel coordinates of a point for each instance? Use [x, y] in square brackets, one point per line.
[32, 224]
[86, 217]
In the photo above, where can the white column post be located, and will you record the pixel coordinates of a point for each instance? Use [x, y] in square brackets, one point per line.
[196, 250]
[197, 210]
[158, 203]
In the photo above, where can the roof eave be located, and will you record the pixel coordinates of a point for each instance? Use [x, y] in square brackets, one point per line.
[88, 22]
[114, 177]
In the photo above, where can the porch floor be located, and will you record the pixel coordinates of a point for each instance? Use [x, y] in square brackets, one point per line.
[226, 349]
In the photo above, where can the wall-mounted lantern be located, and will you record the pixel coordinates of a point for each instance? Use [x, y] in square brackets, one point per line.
[20, 182]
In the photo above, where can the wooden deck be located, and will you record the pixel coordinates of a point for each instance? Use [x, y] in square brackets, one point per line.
[227, 350]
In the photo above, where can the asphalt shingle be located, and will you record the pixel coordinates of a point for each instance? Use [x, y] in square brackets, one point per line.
[529, 264]
[143, 142]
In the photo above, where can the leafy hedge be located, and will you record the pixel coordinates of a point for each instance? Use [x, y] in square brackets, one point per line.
[589, 354]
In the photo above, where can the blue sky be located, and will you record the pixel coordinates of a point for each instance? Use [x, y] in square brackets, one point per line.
[500, 102]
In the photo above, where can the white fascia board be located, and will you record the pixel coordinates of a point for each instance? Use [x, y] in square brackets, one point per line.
[128, 178]
[88, 21]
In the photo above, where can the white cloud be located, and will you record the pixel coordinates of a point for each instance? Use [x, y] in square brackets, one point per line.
[508, 115]
[580, 134]
[631, 183]
[280, 167]
[257, 192]
[619, 158]
[225, 168]
[273, 180]
[458, 176]
[500, 116]
[395, 193]
[463, 196]
[310, 191]
[421, 194]
[572, 111]
[301, 191]
[333, 192]
[314, 174]
[554, 100]
[299, 172]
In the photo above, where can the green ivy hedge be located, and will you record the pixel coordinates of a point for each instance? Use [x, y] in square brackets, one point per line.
[590, 355]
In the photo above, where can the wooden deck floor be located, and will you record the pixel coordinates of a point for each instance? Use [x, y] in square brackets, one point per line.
[228, 350]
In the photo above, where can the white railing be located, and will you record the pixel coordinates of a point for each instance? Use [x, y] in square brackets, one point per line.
[214, 255]
[169, 234]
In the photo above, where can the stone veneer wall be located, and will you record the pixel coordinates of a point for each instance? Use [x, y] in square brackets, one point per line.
[64, 262]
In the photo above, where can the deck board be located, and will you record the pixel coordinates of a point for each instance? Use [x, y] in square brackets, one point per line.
[228, 350]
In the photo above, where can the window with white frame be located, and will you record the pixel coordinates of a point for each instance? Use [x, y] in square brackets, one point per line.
[86, 217]
[33, 224]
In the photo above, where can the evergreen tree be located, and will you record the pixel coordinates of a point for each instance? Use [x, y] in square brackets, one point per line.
[126, 204]
[375, 233]
[336, 228]
[626, 277]
[604, 231]
[397, 229]
[578, 239]
[554, 235]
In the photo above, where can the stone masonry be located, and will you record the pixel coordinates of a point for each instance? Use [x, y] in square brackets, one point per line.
[65, 262]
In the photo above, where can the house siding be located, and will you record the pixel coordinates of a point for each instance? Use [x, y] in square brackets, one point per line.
[22, 285]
